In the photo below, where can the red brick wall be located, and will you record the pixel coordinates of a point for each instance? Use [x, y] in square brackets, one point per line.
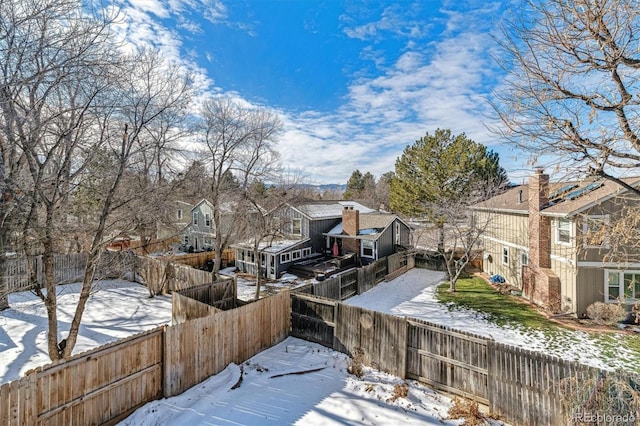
[350, 226]
[539, 226]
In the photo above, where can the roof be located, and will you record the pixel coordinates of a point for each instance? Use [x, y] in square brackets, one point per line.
[371, 225]
[274, 247]
[327, 209]
[566, 198]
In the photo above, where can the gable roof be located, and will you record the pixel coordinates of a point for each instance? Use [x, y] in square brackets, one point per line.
[569, 197]
[315, 210]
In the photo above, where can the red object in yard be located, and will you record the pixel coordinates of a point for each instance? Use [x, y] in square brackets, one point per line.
[335, 248]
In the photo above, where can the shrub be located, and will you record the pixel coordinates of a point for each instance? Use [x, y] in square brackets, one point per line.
[355, 366]
[606, 313]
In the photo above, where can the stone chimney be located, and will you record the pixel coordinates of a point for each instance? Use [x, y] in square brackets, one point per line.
[350, 226]
[539, 226]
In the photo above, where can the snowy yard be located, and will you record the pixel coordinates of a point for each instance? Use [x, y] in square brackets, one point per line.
[116, 309]
[264, 391]
[413, 295]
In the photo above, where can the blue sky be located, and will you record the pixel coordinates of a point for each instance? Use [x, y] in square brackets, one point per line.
[353, 81]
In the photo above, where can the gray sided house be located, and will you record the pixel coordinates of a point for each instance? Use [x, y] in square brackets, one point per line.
[551, 240]
[275, 256]
[312, 219]
[199, 233]
[371, 235]
[301, 226]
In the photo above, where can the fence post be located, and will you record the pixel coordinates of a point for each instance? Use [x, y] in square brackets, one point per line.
[491, 371]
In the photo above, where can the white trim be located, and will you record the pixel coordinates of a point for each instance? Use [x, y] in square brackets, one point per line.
[557, 229]
[563, 259]
[505, 243]
[506, 255]
[617, 266]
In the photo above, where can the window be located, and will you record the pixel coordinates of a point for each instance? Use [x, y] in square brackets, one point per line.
[296, 226]
[285, 257]
[306, 252]
[207, 220]
[505, 255]
[295, 255]
[564, 231]
[207, 241]
[195, 218]
[179, 214]
[185, 239]
[622, 286]
[595, 231]
[368, 248]
[524, 258]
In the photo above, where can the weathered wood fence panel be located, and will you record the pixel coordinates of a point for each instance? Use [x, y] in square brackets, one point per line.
[93, 387]
[329, 288]
[525, 385]
[185, 308]
[450, 360]
[203, 347]
[366, 278]
[382, 337]
[313, 319]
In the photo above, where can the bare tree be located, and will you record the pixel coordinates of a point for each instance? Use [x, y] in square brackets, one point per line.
[239, 144]
[571, 92]
[71, 124]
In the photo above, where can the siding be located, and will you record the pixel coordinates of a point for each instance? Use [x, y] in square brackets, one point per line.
[504, 230]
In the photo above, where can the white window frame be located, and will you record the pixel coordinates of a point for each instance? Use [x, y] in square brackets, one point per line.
[194, 218]
[564, 220]
[295, 255]
[608, 273]
[294, 221]
[306, 252]
[585, 230]
[285, 257]
[368, 245]
[207, 220]
[524, 258]
[505, 255]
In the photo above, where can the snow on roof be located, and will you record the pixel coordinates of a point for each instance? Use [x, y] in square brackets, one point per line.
[275, 246]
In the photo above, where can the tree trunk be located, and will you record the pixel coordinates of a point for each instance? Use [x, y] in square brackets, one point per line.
[256, 255]
[4, 279]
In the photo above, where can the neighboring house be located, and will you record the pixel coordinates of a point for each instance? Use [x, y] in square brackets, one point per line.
[175, 220]
[315, 228]
[275, 256]
[371, 236]
[550, 240]
[199, 233]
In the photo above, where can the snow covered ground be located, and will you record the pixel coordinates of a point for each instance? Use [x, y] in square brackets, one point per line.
[271, 393]
[413, 294]
[115, 309]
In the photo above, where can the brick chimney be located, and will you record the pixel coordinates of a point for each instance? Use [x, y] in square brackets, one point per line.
[539, 226]
[350, 220]
[539, 283]
[350, 226]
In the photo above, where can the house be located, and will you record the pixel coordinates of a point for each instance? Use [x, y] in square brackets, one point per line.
[551, 240]
[371, 235]
[312, 229]
[199, 233]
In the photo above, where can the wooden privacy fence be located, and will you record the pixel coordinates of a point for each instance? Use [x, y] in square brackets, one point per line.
[203, 347]
[357, 281]
[67, 268]
[203, 300]
[522, 386]
[106, 384]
